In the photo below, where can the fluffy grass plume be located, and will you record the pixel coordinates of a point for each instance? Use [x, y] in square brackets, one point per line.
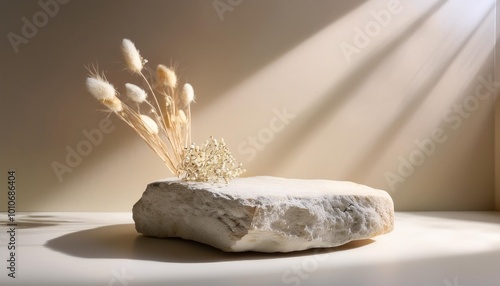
[132, 56]
[166, 76]
[163, 120]
[105, 92]
[135, 93]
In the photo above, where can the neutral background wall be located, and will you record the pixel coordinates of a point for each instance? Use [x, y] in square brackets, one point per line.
[364, 95]
[497, 113]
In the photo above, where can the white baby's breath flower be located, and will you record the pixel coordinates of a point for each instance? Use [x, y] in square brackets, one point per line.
[132, 56]
[210, 162]
[150, 124]
[187, 94]
[135, 93]
[100, 88]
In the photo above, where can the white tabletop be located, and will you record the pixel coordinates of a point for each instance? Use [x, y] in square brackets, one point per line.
[426, 248]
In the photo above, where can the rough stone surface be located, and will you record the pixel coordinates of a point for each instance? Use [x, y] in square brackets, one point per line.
[266, 214]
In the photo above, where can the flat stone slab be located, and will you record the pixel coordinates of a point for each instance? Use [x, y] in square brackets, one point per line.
[265, 214]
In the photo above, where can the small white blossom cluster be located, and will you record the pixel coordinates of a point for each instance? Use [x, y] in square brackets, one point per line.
[210, 162]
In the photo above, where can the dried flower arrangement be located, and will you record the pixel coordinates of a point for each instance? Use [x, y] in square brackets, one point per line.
[167, 128]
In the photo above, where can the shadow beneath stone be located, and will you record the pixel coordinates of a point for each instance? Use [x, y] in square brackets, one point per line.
[122, 241]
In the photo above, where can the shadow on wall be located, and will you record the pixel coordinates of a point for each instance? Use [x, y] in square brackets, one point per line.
[255, 34]
[220, 52]
[416, 190]
[422, 194]
[416, 98]
[293, 139]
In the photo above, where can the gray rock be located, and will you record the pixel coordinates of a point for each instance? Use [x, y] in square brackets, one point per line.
[265, 214]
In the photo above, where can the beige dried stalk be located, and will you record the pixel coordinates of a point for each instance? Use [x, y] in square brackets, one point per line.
[166, 127]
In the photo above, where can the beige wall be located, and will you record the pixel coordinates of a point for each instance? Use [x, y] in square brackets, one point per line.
[497, 156]
[497, 115]
[375, 107]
